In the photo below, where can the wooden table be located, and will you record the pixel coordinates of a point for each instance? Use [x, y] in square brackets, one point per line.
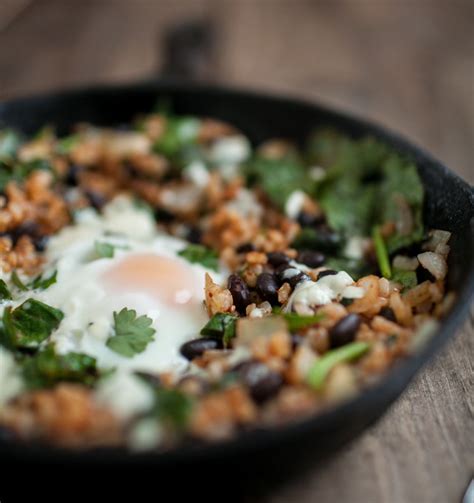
[407, 63]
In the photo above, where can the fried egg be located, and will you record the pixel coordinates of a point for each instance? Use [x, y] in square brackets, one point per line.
[145, 274]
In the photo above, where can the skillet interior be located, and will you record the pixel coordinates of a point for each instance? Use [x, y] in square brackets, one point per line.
[449, 205]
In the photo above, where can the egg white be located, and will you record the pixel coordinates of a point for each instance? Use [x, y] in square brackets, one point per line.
[88, 301]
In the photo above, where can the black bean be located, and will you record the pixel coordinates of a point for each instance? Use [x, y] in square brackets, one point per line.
[309, 220]
[28, 228]
[240, 292]
[196, 347]
[40, 243]
[72, 177]
[388, 313]
[344, 331]
[327, 272]
[311, 258]
[267, 287]
[194, 235]
[97, 200]
[263, 383]
[163, 216]
[277, 258]
[280, 271]
[245, 248]
[327, 240]
[298, 278]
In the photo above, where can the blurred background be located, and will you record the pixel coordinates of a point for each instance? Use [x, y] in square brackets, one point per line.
[408, 64]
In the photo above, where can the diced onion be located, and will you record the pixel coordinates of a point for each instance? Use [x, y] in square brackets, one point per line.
[434, 263]
[405, 263]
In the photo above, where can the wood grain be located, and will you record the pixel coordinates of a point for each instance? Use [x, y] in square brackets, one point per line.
[408, 64]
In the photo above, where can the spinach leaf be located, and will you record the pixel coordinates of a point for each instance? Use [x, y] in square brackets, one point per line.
[401, 190]
[221, 326]
[278, 178]
[172, 407]
[47, 368]
[198, 254]
[5, 293]
[44, 282]
[30, 323]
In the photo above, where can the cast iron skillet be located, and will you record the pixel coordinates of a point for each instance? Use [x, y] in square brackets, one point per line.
[449, 205]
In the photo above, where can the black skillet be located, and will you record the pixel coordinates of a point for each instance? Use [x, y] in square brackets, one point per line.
[266, 454]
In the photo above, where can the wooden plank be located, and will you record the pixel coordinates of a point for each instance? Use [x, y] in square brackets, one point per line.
[408, 64]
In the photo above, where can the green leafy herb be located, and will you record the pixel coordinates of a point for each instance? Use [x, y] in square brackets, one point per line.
[66, 144]
[310, 238]
[5, 293]
[401, 191]
[172, 407]
[132, 333]
[349, 205]
[298, 322]
[198, 254]
[381, 253]
[278, 177]
[43, 283]
[179, 132]
[104, 250]
[407, 279]
[221, 326]
[30, 323]
[17, 172]
[47, 368]
[15, 279]
[321, 368]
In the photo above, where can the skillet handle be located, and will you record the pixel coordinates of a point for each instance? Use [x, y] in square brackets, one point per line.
[188, 51]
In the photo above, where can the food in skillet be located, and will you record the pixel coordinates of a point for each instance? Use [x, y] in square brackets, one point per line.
[167, 282]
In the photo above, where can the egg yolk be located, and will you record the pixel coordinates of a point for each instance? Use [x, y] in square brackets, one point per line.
[164, 278]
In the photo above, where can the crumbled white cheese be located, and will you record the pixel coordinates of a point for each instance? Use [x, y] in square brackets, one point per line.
[10, 378]
[323, 291]
[125, 394]
[197, 173]
[355, 248]
[294, 203]
[245, 204]
[145, 434]
[230, 150]
[290, 273]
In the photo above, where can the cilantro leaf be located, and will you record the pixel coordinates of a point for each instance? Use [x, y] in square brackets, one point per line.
[198, 254]
[221, 326]
[30, 323]
[132, 333]
[46, 368]
[104, 250]
[5, 293]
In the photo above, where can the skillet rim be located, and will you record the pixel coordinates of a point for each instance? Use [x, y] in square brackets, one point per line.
[387, 389]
